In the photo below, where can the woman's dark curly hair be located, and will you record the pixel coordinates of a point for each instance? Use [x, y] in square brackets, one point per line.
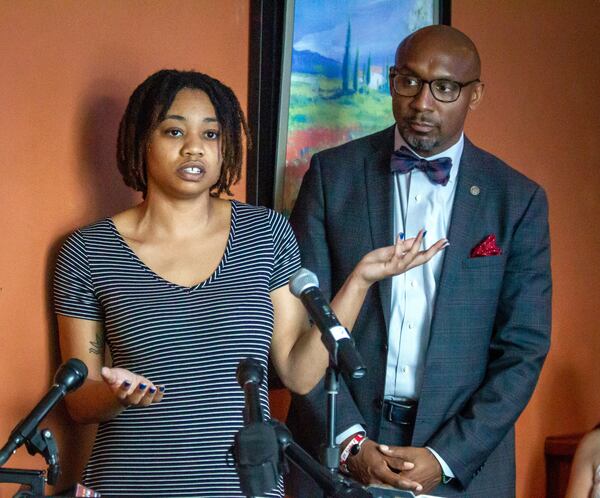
[148, 106]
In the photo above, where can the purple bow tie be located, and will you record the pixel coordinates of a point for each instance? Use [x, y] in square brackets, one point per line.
[438, 170]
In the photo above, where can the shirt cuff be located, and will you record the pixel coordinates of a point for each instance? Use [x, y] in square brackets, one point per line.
[448, 474]
[356, 428]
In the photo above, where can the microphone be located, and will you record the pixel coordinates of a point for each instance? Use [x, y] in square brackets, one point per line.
[249, 376]
[256, 447]
[69, 376]
[304, 284]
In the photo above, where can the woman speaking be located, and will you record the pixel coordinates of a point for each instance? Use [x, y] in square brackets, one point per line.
[180, 288]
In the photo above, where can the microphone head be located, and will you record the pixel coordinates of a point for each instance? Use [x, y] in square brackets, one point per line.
[249, 370]
[71, 374]
[301, 280]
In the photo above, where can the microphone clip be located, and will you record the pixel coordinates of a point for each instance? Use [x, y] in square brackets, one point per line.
[43, 443]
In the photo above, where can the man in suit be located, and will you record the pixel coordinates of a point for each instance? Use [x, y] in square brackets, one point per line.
[453, 348]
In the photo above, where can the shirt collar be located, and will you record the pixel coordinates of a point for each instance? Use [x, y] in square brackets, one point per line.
[454, 152]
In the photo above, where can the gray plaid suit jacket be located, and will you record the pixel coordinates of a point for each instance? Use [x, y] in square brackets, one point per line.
[491, 323]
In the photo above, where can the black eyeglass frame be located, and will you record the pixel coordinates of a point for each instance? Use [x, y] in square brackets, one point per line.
[394, 72]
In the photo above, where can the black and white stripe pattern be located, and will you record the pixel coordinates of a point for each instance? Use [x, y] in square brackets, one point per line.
[189, 339]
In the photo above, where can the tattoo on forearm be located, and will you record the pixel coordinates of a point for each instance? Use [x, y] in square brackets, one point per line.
[97, 346]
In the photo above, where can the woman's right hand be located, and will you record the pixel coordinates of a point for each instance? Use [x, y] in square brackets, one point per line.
[131, 389]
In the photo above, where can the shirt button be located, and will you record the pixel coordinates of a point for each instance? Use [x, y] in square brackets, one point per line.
[404, 370]
[411, 326]
[413, 283]
[417, 197]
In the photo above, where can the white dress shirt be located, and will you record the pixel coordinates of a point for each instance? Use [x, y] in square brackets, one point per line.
[418, 204]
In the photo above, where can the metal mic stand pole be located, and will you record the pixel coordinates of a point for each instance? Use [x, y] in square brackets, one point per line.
[330, 457]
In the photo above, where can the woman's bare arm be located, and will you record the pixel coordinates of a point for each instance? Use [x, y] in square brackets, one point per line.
[298, 354]
[106, 391]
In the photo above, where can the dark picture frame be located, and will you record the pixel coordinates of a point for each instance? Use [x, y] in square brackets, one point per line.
[267, 64]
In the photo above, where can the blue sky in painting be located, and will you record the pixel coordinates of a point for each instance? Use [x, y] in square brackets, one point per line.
[377, 25]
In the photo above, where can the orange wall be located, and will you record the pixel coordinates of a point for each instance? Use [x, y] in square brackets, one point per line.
[66, 72]
[541, 113]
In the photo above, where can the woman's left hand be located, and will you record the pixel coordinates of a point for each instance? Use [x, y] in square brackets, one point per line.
[393, 260]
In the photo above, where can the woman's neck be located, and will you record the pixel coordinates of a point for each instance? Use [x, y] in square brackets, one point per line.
[177, 219]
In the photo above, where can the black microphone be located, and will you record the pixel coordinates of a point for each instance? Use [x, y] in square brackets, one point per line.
[69, 376]
[304, 284]
[256, 447]
[249, 376]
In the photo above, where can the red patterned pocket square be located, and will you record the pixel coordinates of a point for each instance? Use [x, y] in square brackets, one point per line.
[487, 247]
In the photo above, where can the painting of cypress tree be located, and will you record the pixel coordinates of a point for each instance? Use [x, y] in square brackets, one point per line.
[334, 99]
[346, 62]
[355, 73]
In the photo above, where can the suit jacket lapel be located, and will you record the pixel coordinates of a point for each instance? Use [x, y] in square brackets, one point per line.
[470, 196]
[379, 186]
[463, 225]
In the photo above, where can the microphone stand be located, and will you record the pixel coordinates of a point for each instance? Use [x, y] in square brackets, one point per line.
[343, 355]
[332, 483]
[42, 442]
[68, 377]
[330, 456]
[262, 447]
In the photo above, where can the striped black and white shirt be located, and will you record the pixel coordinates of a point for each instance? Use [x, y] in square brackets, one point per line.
[188, 338]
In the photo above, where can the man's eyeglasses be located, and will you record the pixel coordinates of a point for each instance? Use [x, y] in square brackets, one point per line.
[442, 90]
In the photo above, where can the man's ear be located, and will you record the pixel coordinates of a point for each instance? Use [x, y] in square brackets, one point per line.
[476, 95]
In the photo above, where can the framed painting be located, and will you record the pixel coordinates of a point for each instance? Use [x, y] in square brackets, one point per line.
[318, 78]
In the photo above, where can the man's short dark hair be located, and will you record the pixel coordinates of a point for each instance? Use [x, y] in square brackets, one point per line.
[148, 106]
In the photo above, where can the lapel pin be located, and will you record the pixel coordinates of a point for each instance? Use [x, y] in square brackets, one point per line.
[475, 190]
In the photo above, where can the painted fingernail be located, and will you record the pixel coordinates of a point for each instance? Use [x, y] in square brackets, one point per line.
[161, 389]
[424, 233]
[126, 384]
[141, 387]
[401, 235]
[152, 390]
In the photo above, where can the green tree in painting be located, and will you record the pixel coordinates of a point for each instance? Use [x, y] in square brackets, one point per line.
[355, 76]
[368, 75]
[346, 63]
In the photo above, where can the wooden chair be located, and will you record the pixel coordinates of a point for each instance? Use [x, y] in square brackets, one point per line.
[559, 451]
